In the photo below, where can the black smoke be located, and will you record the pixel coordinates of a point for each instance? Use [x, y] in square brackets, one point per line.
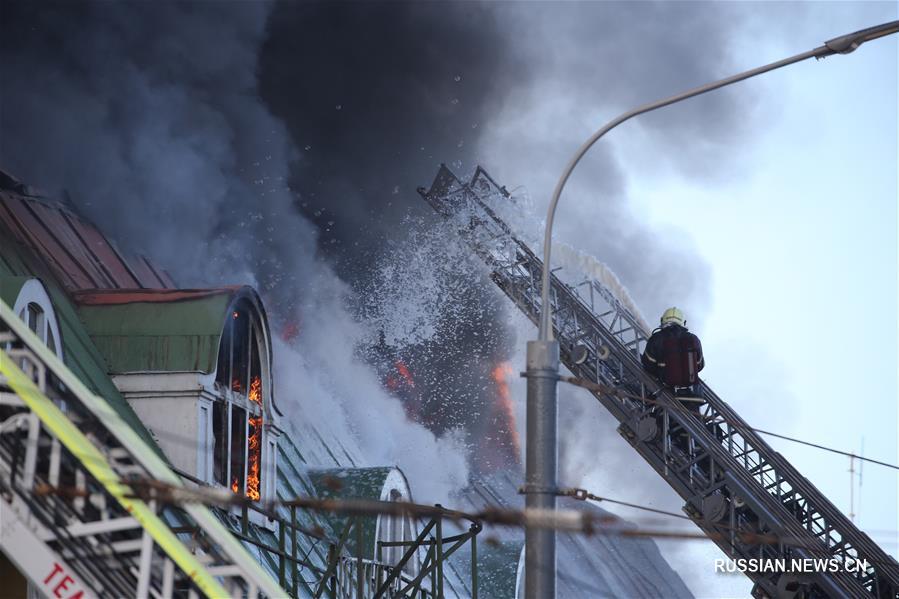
[375, 96]
[148, 116]
[243, 142]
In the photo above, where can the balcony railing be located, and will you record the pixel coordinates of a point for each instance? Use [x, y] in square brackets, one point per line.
[339, 575]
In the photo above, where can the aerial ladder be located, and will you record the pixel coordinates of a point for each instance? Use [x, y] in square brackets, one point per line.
[742, 494]
[78, 515]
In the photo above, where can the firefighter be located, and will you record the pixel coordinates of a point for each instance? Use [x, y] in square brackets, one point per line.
[674, 356]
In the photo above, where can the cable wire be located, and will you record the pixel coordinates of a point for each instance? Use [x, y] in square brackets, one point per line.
[616, 392]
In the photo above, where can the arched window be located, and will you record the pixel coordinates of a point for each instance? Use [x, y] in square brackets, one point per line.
[34, 307]
[392, 529]
[238, 419]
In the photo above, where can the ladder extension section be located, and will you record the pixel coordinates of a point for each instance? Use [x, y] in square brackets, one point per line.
[744, 495]
[72, 474]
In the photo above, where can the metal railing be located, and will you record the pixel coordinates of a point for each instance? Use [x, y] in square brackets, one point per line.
[339, 575]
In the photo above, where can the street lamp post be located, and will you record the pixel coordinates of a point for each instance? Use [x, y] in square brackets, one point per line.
[543, 354]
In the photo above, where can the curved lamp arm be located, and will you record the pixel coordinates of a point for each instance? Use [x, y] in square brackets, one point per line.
[840, 45]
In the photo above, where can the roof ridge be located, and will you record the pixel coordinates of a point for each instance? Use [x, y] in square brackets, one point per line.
[118, 296]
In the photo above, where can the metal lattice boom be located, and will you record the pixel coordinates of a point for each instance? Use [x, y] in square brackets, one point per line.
[736, 488]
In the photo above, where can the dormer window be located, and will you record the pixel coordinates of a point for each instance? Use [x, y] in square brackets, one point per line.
[34, 307]
[238, 420]
[198, 365]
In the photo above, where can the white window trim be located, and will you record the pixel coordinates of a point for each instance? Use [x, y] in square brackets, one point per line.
[396, 488]
[34, 292]
[204, 442]
[231, 400]
[270, 465]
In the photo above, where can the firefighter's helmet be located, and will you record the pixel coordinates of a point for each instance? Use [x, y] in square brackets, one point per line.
[674, 316]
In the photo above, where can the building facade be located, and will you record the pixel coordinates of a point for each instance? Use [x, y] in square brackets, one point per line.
[190, 371]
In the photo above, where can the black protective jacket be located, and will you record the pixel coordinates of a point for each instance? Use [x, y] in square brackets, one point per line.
[674, 356]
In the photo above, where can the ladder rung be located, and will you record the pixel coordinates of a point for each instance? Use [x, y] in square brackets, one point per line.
[82, 529]
[224, 571]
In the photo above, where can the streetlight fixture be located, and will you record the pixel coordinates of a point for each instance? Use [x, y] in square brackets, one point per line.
[543, 354]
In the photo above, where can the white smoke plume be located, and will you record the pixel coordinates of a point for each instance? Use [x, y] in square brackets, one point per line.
[323, 384]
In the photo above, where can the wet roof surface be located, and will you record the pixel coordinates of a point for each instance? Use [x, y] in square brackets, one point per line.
[80, 256]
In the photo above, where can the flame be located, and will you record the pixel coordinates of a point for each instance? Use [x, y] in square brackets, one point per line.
[256, 390]
[403, 371]
[254, 442]
[401, 381]
[504, 412]
[255, 454]
[234, 486]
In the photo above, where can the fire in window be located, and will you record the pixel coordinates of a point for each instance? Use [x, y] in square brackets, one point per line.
[238, 419]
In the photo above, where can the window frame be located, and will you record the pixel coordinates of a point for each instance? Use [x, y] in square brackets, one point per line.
[33, 298]
[390, 528]
[231, 431]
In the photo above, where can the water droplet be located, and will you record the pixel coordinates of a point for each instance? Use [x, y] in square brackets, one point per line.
[457, 78]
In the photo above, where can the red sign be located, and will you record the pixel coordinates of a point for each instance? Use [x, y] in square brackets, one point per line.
[60, 584]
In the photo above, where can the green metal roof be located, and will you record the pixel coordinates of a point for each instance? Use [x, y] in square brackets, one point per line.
[140, 336]
[352, 483]
[497, 567]
[10, 287]
[18, 264]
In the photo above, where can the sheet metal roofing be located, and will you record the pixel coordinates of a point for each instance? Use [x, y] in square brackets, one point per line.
[81, 257]
[19, 263]
[588, 566]
[157, 330]
[116, 297]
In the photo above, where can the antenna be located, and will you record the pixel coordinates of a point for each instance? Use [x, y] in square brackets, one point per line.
[861, 466]
[852, 488]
